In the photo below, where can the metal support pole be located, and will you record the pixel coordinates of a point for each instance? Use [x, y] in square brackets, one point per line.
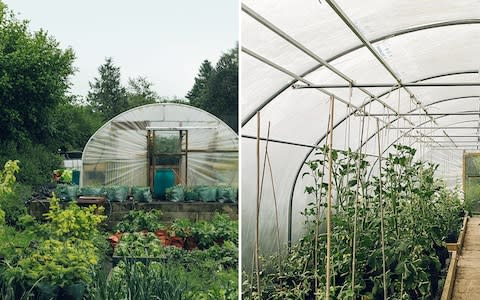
[385, 85]
[329, 200]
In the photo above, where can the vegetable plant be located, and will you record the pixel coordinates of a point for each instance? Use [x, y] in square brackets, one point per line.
[417, 211]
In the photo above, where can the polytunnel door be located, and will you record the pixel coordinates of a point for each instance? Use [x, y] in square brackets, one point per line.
[471, 181]
[167, 159]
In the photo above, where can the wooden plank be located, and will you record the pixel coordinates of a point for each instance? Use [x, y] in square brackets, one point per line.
[450, 280]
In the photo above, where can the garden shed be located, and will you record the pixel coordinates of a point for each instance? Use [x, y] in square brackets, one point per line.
[160, 145]
[358, 89]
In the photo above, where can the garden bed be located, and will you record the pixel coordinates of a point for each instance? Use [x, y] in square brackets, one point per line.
[450, 279]
[461, 237]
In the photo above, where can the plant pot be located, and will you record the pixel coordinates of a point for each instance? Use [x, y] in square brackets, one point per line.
[165, 240]
[73, 292]
[114, 239]
[47, 291]
[161, 232]
[177, 241]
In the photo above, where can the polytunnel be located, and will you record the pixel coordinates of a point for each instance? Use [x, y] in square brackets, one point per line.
[404, 72]
[133, 147]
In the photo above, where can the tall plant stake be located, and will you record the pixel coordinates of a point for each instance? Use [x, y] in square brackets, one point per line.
[355, 205]
[381, 210]
[257, 262]
[329, 201]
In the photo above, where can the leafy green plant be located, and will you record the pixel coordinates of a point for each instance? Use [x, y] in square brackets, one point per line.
[139, 244]
[13, 204]
[181, 228]
[417, 211]
[138, 220]
[139, 281]
[72, 222]
[58, 263]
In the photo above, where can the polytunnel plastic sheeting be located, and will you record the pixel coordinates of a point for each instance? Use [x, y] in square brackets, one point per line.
[117, 153]
[285, 43]
[283, 177]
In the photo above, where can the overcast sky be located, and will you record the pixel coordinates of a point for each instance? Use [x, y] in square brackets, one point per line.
[165, 41]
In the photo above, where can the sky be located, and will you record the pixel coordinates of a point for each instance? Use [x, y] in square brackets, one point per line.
[165, 41]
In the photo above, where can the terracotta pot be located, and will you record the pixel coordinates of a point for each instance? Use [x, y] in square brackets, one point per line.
[114, 239]
[177, 241]
[164, 240]
[159, 233]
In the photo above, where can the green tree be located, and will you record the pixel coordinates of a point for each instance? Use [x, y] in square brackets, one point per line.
[216, 90]
[74, 124]
[198, 94]
[34, 75]
[106, 94]
[140, 92]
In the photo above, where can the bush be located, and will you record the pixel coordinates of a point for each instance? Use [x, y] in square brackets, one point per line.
[36, 161]
[13, 204]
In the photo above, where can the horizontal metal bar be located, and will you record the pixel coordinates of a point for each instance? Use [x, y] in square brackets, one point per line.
[476, 113]
[436, 127]
[175, 128]
[385, 85]
[443, 136]
[293, 143]
[212, 151]
[460, 148]
[450, 142]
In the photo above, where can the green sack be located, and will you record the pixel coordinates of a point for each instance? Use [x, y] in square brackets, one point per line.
[74, 291]
[117, 193]
[175, 193]
[94, 191]
[226, 194]
[46, 291]
[191, 194]
[207, 193]
[66, 192]
[147, 196]
[138, 193]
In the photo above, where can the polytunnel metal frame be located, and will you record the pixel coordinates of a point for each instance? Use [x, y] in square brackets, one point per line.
[354, 110]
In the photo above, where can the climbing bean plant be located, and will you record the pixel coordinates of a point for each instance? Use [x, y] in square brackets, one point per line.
[419, 214]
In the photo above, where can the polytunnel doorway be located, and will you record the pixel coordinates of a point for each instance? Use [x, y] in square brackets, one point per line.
[471, 181]
[167, 152]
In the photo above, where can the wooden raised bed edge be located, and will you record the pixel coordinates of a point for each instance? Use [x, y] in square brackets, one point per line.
[450, 279]
[461, 237]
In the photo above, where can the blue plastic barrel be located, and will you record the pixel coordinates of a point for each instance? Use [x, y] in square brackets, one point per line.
[76, 177]
[164, 178]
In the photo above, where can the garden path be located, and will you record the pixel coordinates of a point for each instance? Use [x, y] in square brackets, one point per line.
[467, 282]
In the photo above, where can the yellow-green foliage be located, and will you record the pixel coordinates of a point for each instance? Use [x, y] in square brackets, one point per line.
[60, 262]
[74, 221]
[7, 180]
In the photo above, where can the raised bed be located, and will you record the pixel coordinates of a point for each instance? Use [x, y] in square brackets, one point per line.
[450, 279]
[457, 247]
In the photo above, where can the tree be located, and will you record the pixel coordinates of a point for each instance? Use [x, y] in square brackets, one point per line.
[74, 125]
[140, 92]
[197, 95]
[34, 75]
[216, 90]
[106, 94]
